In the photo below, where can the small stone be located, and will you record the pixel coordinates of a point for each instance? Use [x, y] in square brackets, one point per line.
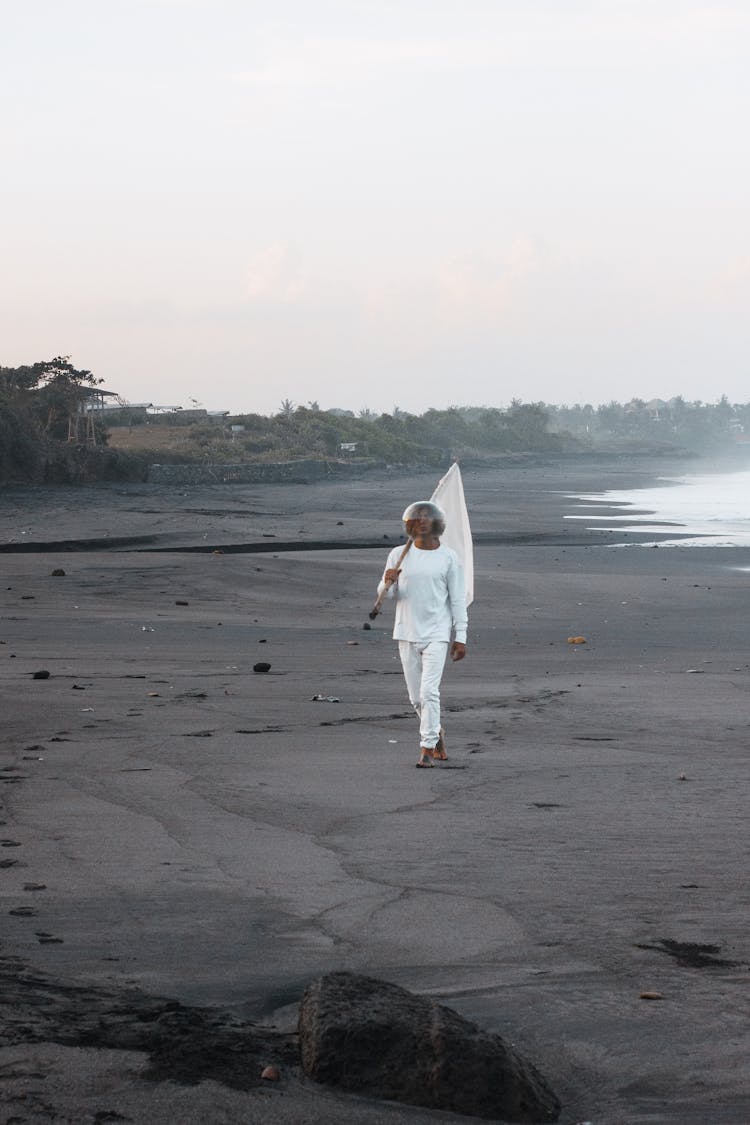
[262, 666]
[181, 603]
[576, 640]
[58, 573]
[652, 996]
[42, 674]
[367, 625]
[270, 1074]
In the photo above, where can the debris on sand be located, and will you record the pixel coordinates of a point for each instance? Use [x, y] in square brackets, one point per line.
[690, 954]
[374, 1038]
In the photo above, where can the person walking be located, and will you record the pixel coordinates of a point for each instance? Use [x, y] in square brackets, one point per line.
[431, 617]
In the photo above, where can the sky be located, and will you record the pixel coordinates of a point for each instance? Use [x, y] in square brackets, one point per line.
[371, 204]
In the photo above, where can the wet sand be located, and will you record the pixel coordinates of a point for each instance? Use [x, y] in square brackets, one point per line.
[178, 826]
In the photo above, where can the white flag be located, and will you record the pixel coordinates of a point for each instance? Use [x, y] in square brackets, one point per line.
[449, 494]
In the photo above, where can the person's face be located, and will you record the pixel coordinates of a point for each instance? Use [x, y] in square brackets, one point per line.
[423, 522]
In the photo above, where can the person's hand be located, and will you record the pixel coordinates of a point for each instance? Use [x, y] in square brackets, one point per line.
[391, 576]
[458, 650]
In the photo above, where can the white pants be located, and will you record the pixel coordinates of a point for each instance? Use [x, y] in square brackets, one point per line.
[423, 665]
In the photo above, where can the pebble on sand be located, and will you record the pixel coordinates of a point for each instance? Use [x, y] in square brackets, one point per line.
[262, 666]
[42, 674]
[271, 1074]
[576, 640]
[58, 572]
[652, 996]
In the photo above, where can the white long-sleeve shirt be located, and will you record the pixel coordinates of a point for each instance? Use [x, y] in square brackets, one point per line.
[430, 595]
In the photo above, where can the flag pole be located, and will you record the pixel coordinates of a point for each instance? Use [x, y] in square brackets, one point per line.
[376, 608]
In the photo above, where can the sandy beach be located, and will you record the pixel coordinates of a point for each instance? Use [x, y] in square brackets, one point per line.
[177, 826]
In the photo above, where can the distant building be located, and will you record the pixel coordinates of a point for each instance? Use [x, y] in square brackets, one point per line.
[93, 398]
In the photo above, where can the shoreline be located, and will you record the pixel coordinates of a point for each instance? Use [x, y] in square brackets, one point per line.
[219, 837]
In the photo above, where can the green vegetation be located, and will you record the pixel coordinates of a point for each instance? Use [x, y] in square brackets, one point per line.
[692, 427]
[398, 438]
[48, 434]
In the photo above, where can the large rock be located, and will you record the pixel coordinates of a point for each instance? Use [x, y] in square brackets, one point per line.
[374, 1038]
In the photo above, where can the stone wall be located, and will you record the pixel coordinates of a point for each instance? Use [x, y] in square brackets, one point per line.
[284, 472]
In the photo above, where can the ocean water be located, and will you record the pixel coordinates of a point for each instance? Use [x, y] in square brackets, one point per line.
[711, 509]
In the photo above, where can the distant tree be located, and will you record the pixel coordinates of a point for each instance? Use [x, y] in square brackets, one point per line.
[287, 408]
[16, 381]
[37, 401]
[62, 391]
[527, 423]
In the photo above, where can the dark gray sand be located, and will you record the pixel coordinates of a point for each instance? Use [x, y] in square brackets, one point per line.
[175, 824]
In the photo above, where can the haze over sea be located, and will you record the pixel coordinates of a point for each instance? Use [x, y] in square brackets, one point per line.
[705, 510]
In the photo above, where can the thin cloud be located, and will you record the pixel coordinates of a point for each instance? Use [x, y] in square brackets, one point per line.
[732, 283]
[475, 289]
[274, 275]
[600, 37]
